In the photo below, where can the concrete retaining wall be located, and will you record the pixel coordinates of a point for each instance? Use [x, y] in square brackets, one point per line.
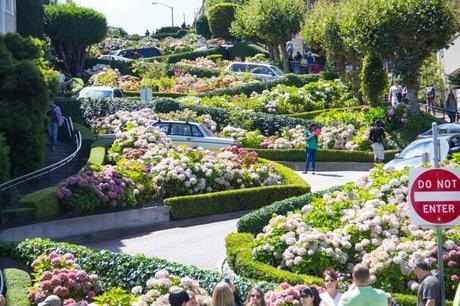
[331, 166]
[80, 226]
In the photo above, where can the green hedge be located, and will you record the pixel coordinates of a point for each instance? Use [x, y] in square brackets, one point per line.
[245, 49]
[169, 30]
[137, 94]
[191, 55]
[311, 115]
[324, 155]
[196, 71]
[5, 165]
[239, 256]
[97, 155]
[87, 138]
[185, 207]
[44, 202]
[255, 221]
[16, 284]
[122, 270]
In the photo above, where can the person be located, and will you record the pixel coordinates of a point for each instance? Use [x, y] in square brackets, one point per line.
[147, 33]
[290, 48]
[298, 56]
[236, 297]
[312, 146]
[178, 297]
[62, 82]
[457, 296]
[395, 94]
[222, 295]
[332, 296]
[451, 106]
[52, 300]
[430, 95]
[405, 99]
[56, 121]
[310, 61]
[363, 294]
[255, 298]
[183, 26]
[429, 289]
[309, 296]
[376, 136]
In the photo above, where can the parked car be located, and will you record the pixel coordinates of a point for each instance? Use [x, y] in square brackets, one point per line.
[191, 134]
[101, 92]
[135, 53]
[110, 57]
[264, 72]
[443, 129]
[412, 155]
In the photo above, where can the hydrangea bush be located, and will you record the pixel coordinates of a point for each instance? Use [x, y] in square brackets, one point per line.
[365, 222]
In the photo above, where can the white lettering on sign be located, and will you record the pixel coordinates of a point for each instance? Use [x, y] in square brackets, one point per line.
[438, 208]
[447, 184]
[424, 184]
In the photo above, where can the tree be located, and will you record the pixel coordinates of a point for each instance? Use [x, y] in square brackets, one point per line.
[404, 31]
[202, 27]
[272, 21]
[25, 96]
[220, 18]
[29, 19]
[374, 78]
[72, 29]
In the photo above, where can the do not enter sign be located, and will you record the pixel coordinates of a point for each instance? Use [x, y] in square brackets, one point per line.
[434, 196]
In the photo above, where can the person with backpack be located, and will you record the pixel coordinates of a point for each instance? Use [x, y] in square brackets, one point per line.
[376, 136]
[430, 95]
[395, 94]
[57, 120]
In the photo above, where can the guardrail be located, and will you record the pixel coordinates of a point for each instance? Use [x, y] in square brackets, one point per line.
[2, 286]
[75, 136]
[438, 111]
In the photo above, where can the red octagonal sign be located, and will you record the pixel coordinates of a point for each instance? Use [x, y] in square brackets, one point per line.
[434, 196]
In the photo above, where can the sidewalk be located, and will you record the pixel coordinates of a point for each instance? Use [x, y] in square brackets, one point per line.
[201, 241]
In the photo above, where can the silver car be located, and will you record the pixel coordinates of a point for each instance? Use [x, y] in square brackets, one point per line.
[260, 71]
[412, 155]
[191, 134]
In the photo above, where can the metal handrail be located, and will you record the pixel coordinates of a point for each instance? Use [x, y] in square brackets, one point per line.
[435, 109]
[46, 170]
[2, 286]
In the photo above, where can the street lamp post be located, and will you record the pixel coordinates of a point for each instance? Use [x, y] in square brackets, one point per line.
[168, 6]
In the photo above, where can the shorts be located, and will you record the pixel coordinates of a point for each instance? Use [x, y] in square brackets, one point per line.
[379, 152]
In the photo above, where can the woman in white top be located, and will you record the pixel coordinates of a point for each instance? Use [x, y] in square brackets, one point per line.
[395, 95]
[331, 297]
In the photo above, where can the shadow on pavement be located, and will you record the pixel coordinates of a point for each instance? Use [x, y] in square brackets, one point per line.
[329, 174]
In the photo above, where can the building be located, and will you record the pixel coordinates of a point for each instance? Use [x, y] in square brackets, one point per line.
[7, 16]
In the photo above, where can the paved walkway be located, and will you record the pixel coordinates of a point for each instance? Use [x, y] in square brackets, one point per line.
[200, 241]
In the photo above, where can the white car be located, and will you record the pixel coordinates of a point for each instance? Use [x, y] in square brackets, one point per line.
[109, 57]
[412, 155]
[191, 134]
[100, 92]
[443, 129]
[263, 72]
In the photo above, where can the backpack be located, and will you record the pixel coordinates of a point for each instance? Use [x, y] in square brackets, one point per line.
[430, 92]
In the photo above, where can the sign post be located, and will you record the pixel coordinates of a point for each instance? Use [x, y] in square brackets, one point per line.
[434, 200]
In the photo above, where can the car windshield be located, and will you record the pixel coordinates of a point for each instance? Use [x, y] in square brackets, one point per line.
[206, 131]
[415, 150]
[95, 94]
[277, 70]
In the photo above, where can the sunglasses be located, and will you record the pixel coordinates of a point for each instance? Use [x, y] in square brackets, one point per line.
[305, 296]
[330, 280]
[256, 296]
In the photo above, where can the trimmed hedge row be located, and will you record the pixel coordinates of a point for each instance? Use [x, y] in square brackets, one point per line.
[44, 202]
[324, 155]
[255, 221]
[87, 138]
[185, 207]
[122, 270]
[97, 155]
[311, 115]
[17, 283]
[137, 94]
[239, 256]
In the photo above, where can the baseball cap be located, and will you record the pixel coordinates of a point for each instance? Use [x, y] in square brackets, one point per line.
[52, 300]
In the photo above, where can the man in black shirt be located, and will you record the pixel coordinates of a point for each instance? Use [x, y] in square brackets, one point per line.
[429, 289]
[376, 136]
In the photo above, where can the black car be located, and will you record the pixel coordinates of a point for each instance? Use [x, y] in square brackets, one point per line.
[135, 53]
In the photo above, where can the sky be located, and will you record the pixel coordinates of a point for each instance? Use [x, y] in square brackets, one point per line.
[135, 16]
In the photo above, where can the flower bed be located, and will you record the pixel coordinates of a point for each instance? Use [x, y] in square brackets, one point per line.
[363, 222]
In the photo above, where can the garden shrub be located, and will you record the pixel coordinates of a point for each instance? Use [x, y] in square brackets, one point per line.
[220, 18]
[124, 67]
[312, 114]
[254, 221]
[44, 202]
[122, 270]
[374, 79]
[324, 155]
[179, 34]
[25, 96]
[168, 30]
[16, 284]
[202, 27]
[245, 49]
[87, 138]
[97, 155]
[199, 72]
[239, 256]
[191, 55]
[4, 160]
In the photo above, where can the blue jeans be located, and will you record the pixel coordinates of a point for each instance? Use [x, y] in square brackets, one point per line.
[311, 157]
[53, 129]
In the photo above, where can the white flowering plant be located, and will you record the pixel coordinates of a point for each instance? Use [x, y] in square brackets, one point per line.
[364, 222]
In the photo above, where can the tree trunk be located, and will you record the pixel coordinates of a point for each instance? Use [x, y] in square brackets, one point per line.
[285, 57]
[276, 52]
[340, 62]
[271, 52]
[412, 90]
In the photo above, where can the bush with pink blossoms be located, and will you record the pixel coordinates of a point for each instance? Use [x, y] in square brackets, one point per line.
[59, 275]
[96, 188]
[286, 295]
